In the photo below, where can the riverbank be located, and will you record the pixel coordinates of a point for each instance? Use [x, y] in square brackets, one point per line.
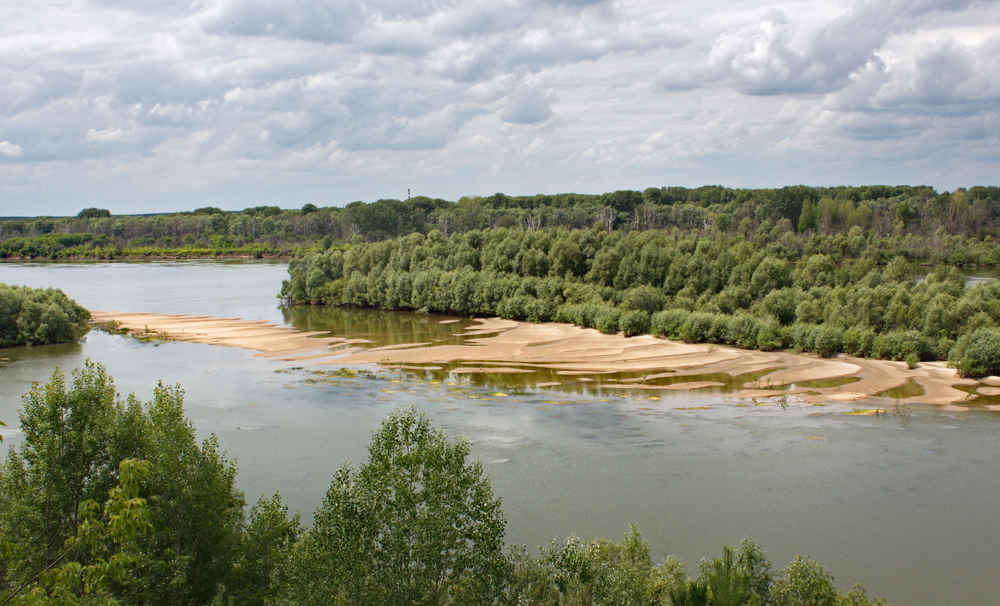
[496, 346]
[156, 256]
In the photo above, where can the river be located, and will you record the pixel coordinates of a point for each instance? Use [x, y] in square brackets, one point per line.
[904, 504]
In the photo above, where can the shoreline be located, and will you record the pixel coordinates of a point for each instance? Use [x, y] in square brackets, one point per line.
[233, 257]
[497, 346]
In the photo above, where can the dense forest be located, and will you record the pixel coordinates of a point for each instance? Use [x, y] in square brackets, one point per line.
[39, 316]
[768, 289]
[111, 501]
[883, 211]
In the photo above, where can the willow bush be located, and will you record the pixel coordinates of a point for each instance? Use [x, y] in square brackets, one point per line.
[37, 316]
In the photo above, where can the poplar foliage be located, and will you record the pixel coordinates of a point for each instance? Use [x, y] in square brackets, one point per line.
[75, 437]
[416, 524]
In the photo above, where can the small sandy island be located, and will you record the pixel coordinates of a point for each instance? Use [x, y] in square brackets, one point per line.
[505, 346]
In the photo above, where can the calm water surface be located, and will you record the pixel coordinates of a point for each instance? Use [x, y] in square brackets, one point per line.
[905, 505]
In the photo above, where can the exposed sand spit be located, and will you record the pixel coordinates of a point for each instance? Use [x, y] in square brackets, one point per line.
[511, 347]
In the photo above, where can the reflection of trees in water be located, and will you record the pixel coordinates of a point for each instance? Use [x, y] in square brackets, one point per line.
[381, 327]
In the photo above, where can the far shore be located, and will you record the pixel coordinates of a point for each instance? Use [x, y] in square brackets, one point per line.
[506, 346]
[157, 257]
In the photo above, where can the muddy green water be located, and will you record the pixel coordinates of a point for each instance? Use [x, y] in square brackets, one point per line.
[905, 504]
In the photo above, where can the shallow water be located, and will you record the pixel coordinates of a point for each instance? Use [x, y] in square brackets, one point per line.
[902, 503]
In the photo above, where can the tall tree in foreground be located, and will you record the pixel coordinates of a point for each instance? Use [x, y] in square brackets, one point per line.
[75, 439]
[113, 533]
[416, 524]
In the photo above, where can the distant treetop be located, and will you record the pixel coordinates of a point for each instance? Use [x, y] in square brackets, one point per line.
[209, 210]
[94, 213]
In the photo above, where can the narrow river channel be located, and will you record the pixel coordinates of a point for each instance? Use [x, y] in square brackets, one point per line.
[905, 504]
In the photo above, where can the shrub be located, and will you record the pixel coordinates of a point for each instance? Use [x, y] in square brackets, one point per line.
[514, 308]
[668, 322]
[537, 310]
[858, 341]
[803, 336]
[644, 298]
[769, 335]
[586, 315]
[805, 581]
[697, 327]
[827, 340]
[634, 323]
[37, 316]
[565, 313]
[607, 320]
[943, 347]
[742, 331]
[977, 354]
[720, 329]
[896, 345]
[781, 304]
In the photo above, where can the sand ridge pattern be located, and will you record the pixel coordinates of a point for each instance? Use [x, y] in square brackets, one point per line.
[509, 347]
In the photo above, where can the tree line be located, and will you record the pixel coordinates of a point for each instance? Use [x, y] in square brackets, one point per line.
[416, 524]
[917, 211]
[39, 316]
[771, 289]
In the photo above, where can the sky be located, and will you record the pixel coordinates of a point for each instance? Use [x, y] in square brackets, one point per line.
[158, 105]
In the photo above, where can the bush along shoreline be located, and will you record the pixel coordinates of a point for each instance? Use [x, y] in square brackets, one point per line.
[774, 290]
[39, 316]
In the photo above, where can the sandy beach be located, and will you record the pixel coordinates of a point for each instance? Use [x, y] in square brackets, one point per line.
[496, 346]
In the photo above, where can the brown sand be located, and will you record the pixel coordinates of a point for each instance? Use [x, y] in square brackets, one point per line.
[518, 347]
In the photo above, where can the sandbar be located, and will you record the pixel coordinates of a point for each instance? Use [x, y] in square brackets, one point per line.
[511, 347]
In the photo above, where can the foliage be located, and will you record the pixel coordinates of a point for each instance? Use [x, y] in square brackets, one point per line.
[767, 290]
[593, 571]
[123, 519]
[955, 227]
[416, 524]
[94, 213]
[264, 551]
[74, 442]
[805, 583]
[728, 585]
[977, 353]
[37, 316]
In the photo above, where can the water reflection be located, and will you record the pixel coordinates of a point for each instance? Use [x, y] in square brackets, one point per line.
[379, 327]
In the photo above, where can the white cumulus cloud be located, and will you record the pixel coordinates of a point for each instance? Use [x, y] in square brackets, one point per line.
[11, 150]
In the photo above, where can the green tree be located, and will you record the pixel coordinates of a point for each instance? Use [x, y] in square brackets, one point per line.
[265, 547]
[752, 561]
[62, 462]
[416, 524]
[196, 510]
[805, 583]
[39, 316]
[93, 213]
[977, 354]
[728, 584]
[63, 582]
[74, 442]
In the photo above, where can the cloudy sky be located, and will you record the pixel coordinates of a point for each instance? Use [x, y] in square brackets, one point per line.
[156, 105]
